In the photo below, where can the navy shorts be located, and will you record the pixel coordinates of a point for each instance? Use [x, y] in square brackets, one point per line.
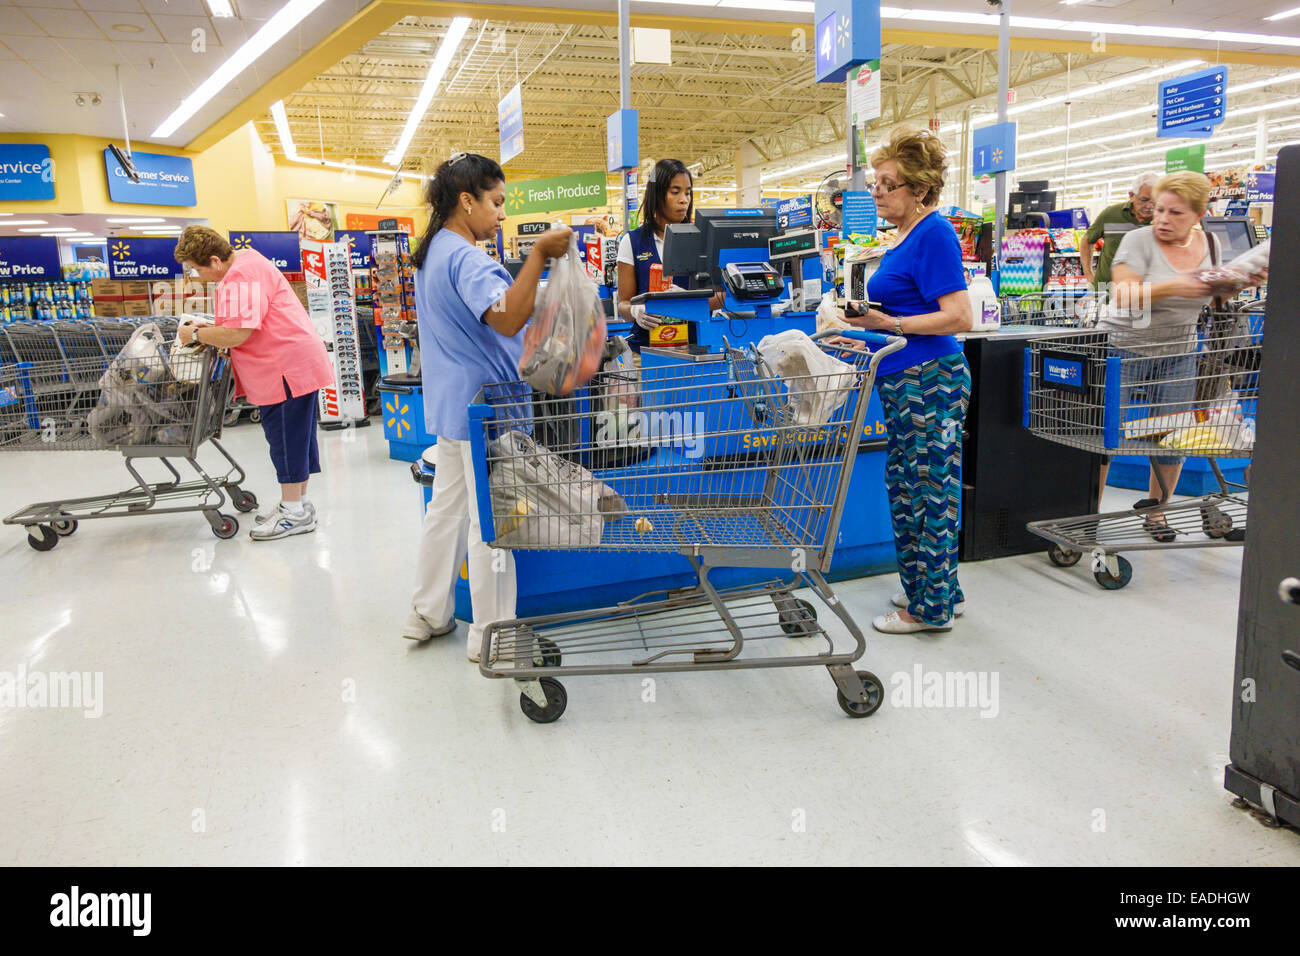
[290, 428]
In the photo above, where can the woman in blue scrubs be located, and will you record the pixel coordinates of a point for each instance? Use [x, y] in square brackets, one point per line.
[471, 320]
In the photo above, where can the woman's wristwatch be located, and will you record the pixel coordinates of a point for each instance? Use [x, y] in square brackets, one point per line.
[898, 325]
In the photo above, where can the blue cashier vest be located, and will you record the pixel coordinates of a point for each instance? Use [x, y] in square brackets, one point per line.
[644, 255]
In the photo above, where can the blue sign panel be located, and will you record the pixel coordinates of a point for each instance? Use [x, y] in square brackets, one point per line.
[621, 129]
[747, 211]
[29, 257]
[26, 172]
[794, 213]
[358, 247]
[510, 119]
[1259, 185]
[858, 213]
[164, 180]
[280, 247]
[993, 149]
[1194, 104]
[1064, 371]
[848, 34]
[142, 258]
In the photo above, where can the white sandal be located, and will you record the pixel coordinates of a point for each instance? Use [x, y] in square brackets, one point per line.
[891, 623]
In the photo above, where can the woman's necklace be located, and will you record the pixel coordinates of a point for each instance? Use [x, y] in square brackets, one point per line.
[1190, 237]
[903, 230]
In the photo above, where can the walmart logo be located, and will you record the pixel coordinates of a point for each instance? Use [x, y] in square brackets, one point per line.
[121, 250]
[515, 197]
[997, 155]
[242, 242]
[398, 421]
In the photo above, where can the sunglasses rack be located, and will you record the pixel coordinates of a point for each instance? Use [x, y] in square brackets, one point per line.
[332, 302]
[392, 294]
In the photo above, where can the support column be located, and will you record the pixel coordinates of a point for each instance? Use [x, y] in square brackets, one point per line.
[1004, 73]
[1261, 138]
[749, 191]
[624, 91]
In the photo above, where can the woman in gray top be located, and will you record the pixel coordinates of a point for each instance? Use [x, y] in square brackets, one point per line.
[1159, 300]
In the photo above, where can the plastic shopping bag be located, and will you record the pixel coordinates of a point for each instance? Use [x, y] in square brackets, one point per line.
[816, 384]
[539, 499]
[566, 336]
[828, 316]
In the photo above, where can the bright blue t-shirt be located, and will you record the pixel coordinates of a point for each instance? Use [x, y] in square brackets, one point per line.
[909, 280]
[459, 352]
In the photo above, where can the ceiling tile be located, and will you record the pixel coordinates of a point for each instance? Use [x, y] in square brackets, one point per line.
[181, 29]
[180, 8]
[65, 23]
[107, 21]
[16, 23]
[113, 6]
[233, 32]
[38, 50]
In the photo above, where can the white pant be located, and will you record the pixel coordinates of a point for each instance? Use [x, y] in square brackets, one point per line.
[449, 524]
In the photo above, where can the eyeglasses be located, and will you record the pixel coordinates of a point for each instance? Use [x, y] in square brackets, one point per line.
[884, 187]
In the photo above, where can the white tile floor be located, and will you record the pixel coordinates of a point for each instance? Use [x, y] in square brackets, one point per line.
[226, 738]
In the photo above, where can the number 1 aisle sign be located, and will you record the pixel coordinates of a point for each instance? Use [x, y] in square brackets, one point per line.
[993, 149]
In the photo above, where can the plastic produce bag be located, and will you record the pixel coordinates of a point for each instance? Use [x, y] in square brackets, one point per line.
[816, 384]
[566, 336]
[144, 355]
[828, 316]
[541, 500]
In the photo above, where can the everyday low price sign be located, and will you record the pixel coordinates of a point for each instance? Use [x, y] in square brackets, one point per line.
[358, 247]
[280, 247]
[164, 180]
[575, 191]
[29, 257]
[142, 259]
[26, 172]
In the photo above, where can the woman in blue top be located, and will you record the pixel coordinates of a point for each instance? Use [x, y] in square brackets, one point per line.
[923, 388]
[471, 321]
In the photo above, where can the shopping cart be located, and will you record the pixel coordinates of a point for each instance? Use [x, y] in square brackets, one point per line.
[143, 408]
[718, 460]
[1059, 308]
[1186, 391]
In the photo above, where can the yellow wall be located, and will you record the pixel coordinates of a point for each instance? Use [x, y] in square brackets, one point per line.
[238, 184]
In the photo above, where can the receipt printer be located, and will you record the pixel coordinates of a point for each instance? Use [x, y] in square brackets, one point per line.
[753, 280]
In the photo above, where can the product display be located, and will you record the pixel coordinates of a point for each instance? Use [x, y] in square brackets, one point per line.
[327, 271]
[392, 296]
[45, 301]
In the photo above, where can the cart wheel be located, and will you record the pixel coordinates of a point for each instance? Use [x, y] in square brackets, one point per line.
[1063, 557]
[556, 701]
[226, 527]
[255, 416]
[243, 500]
[41, 537]
[1109, 581]
[1214, 522]
[231, 417]
[64, 527]
[547, 654]
[875, 697]
[795, 618]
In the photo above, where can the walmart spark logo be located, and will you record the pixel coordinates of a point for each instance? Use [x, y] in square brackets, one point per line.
[398, 421]
[997, 155]
[242, 242]
[515, 197]
[121, 250]
[841, 31]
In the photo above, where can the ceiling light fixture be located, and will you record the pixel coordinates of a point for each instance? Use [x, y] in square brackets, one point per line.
[221, 9]
[127, 28]
[48, 229]
[1284, 15]
[28, 222]
[282, 129]
[288, 17]
[132, 220]
[441, 60]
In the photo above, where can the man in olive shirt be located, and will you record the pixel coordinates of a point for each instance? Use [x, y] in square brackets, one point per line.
[1138, 211]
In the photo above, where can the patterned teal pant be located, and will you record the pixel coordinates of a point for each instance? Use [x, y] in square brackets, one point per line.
[925, 407]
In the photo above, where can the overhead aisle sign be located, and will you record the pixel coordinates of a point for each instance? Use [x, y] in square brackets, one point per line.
[164, 180]
[29, 257]
[26, 172]
[848, 34]
[510, 118]
[575, 191]
[142, 258]
[280, 247]
[993, 149]
[1194, 104]
[1185, 158]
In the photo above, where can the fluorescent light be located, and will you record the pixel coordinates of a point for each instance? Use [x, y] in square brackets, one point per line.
[441, 60]
[27, 222]
[221, 8]
[288, 17]
[133, 220]
[6, 214]
[282, 129]
[778, 174]
[46, 230]
[1285, 14]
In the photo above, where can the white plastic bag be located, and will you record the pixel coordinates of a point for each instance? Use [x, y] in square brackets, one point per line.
[566, 335]
[828, 316]
[816, 384]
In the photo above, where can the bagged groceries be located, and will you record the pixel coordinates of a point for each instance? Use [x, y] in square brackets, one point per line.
[828, 316]
[141, 400]
[816, 384]
[566, 336]
[539, 499]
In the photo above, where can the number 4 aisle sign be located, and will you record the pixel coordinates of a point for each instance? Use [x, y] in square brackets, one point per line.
[848, 34]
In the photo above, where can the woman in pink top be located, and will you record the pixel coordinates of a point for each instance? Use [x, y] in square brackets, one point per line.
[279, 363]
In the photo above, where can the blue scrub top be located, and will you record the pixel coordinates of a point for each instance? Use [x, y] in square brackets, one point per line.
[909, 281]
[458, 351]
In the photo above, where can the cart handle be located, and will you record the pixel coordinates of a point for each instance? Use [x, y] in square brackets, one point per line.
[862, 335]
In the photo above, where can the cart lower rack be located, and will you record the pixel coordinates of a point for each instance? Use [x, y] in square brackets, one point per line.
[1186, 391]
[724, 462]
[144, 408]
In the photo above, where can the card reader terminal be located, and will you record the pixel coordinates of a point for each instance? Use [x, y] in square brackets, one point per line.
[753, 280]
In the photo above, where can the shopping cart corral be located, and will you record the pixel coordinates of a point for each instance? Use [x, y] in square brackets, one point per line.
[1187, 391]
[151, 407]
[736, 468]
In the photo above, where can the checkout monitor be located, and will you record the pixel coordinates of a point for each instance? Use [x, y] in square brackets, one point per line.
[693, 248]
[1236, 235]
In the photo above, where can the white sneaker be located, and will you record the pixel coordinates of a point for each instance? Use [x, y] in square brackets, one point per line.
[263, 519]
[283, 524]
[474, 647]
[900, 600]
[891, 623]
[418, 628]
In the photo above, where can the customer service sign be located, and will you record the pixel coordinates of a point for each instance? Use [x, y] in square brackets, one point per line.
[575, 191]
[26, 172]
[164, 180]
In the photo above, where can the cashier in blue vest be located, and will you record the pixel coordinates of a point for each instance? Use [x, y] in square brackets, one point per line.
[668, 199]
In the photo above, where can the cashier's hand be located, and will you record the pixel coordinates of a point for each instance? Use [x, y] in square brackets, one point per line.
[554, 242]
[644, 319]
